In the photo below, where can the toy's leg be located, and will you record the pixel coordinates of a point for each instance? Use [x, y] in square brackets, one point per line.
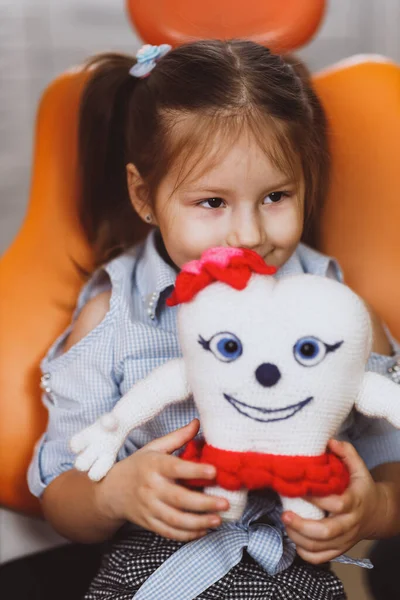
[301, 507]
[237, 501]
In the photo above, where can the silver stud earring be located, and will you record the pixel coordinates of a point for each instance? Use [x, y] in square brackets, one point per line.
[148, 218]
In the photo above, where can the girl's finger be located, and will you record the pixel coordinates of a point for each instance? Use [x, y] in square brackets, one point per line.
[171, 533]
[176, 439]
[187, 521]
[315, 546]
[173, 467]
[180, 497]
[325, 529]
[317, 558]
[349, 456]
[335, 504]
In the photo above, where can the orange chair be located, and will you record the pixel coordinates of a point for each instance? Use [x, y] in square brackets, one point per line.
[39, 284]
[282, 26]
[360, 223]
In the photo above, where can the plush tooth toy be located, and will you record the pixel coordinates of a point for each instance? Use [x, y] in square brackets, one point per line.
[274, 367]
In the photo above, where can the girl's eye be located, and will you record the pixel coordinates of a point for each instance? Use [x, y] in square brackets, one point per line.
[309, 351]
[225, 346]
[274, 197]
[212, 203]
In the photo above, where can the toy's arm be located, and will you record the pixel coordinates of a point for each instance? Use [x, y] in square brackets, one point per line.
[165, 385]
[379, 397]
[99, 444]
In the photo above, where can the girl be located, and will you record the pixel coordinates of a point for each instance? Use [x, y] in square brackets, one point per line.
[212, 144]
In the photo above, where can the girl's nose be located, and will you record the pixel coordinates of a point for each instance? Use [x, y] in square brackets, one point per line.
[245, 232]
[268, 374]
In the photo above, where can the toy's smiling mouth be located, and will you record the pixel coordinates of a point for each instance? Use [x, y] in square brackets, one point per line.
[266, 415]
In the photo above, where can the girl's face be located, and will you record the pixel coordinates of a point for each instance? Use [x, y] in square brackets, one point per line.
[242, 201]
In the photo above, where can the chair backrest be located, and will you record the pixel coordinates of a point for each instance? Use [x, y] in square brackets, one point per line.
[282, 26]
[360, 223]
[39, 282]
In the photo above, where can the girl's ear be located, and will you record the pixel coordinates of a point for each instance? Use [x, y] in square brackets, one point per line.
[138, 195]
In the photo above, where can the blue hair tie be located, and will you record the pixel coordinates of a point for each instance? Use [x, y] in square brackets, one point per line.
[147, 58]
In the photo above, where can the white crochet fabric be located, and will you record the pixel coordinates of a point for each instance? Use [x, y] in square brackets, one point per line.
[273, 368]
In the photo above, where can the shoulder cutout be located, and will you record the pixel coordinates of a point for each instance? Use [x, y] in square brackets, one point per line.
[90, 316]
[381, 344]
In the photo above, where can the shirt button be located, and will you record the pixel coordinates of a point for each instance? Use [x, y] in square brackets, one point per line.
[45, 383]
[151, 305]
[394, 371]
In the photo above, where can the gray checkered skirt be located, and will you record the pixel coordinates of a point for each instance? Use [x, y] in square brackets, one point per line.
[135, 555]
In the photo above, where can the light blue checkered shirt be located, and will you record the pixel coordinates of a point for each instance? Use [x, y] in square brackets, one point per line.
[138, 334]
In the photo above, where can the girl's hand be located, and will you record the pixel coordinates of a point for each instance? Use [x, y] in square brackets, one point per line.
[353, 516]
[142, 489]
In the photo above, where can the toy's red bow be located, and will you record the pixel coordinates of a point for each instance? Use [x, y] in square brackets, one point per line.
[233, 266]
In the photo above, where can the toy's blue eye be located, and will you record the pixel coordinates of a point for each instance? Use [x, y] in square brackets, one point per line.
[309, 351]
[225, 346]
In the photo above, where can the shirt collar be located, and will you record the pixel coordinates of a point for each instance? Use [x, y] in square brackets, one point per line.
[308, 260]
[293, 266]
[153, 276]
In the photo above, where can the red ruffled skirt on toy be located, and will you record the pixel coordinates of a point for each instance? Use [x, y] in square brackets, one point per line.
[291, 476]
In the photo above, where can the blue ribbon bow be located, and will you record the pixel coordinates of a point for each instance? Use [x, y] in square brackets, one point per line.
[216, 554]
[147, 58]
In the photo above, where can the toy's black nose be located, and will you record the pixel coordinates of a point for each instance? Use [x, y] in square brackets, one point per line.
[267, 374]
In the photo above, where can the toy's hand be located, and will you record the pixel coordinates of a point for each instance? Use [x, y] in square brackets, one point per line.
[352, 516]
[97, 447]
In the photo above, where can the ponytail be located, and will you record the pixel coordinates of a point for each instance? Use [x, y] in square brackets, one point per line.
[109, 221]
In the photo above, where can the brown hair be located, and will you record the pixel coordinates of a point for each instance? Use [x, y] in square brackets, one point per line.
[128, 120]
